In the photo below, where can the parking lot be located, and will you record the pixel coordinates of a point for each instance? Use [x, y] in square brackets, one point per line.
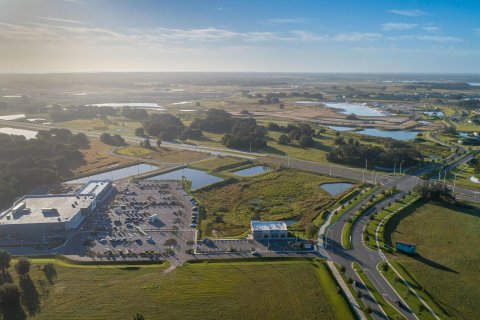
[146, 220]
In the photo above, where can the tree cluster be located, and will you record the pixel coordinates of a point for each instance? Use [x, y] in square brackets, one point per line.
[353, 153]
[435, 191]
[25, 164]
[245, 133]
[164, 126]
[112, 140]
[302, 133]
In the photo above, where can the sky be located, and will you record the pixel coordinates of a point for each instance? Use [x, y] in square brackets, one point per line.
[369, 36]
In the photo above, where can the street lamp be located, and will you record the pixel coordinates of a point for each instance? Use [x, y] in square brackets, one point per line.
[455, 179]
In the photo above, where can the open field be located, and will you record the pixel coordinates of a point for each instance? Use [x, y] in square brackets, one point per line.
[448, 255]
[97, 157]
[275, 195]
[121, 126]
[227, 290]
[162, 154]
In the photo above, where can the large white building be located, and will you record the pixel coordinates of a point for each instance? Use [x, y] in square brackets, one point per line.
[268, 229]
[34, 215]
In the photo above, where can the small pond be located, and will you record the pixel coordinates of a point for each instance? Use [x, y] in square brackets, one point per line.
[28, 134]
[334, 189]
[358, 109]
[198, 178]
[251, 171]
[117, 174]
[397, 135]
[340, 128]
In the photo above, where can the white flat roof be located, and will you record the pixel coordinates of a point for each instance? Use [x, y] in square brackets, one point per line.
[61, 208]
[94, 187]
[268, 225]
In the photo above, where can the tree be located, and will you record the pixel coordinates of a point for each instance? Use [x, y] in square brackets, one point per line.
[283, 139]
[139, 316]
[140, 132]
[22, 267]
[4, 260]
[10, 295]
[80, 139]
[305, 141]
[311, 231]
[146, 143]
[351, 116]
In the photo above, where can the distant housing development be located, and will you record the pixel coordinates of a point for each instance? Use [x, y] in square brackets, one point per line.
[268, 229]
[33, 215]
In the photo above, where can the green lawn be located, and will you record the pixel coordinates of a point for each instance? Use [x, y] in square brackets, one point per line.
[448, 260]
[275, 195]
[291, 289]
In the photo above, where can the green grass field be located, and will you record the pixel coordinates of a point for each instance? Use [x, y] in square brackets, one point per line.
[448, 260]
[162, 154]
[289, 289]
[275, 195]
[215, 163]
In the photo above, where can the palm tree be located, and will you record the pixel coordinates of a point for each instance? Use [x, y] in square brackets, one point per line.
[4, 260]
[23, 267]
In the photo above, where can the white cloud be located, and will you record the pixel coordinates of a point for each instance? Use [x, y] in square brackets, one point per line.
[430, 28]
[409, 12]
[356, 36]
[61, 20]
[76, 1]
[398, 26]
[297, 20]
[438, 38]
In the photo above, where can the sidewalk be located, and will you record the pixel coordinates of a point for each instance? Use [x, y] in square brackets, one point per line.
[346, 290]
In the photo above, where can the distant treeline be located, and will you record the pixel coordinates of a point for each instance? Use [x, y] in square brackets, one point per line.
[25, 164]
[393, 152]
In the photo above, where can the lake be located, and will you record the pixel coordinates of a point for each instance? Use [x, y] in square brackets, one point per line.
[397, 135]
[28, 134]
[140, 105]
[198, 178]
[340, 128]
[117, 174]
[251, 171]
[358, 109]
[334, 189]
